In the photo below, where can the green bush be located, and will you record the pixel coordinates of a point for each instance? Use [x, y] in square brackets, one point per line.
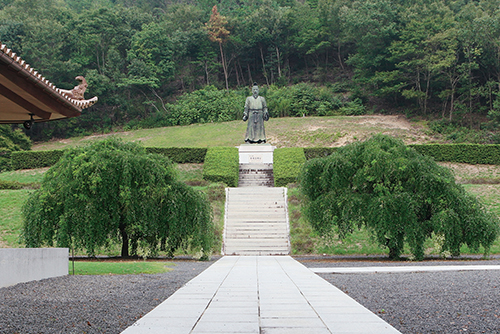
[111, 191]
[207, 105]
[287, 165]
[181, 155]
[35, 159]
[353, 108]
[301, 99]
[399, 195]
[11, 141]
[318, 152]
[464, 153]
[222, 165]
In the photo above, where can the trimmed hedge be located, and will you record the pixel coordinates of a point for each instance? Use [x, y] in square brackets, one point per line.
[222, 165]
[38, 159]
[181, 155]
[35, 159]
[464, 153]
[318, 152]
[287, 163]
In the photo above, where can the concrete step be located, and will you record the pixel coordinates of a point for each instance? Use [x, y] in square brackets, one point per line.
[256, 222]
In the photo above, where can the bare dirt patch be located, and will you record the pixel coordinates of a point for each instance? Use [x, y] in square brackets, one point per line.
[467, 173]
[342, 130]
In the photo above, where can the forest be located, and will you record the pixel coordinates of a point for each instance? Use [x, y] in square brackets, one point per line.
[175, 62]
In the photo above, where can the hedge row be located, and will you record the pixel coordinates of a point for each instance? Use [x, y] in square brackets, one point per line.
[318, 152]
[287, 165]
[35, 159]
[222, 165]
[38, 159]
[181, 155]
[464, 153]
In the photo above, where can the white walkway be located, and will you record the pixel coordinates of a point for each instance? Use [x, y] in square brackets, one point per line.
[259, 294]
[401, 269]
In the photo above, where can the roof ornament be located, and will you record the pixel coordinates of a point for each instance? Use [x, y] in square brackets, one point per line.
[78, 91]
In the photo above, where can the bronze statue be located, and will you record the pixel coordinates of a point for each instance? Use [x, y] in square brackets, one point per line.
[256, 113]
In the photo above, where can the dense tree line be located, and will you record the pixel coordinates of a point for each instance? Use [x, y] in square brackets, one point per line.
[440, 59]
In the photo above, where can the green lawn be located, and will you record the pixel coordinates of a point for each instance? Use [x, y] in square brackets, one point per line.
[119, 268]
[11, 202]
[24, 175]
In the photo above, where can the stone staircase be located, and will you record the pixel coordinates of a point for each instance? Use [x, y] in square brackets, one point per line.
[256, 221]
[256, 175]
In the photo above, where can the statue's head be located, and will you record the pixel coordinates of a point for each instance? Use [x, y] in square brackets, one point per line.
[255, 90]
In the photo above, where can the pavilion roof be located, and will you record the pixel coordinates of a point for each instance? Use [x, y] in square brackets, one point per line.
[26, 95]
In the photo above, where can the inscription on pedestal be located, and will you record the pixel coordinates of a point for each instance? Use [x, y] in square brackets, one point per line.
[255, 158]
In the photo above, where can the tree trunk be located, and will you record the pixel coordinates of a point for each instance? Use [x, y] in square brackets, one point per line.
[278, 56]
[249, 74]
[125, 240]
[223, 65]
[264, 65]
[237, 74]
[339, 55]
[206, 72]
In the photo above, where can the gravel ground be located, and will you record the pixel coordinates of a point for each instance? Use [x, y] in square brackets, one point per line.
[89, 304]
[430, 302]
[425, 302]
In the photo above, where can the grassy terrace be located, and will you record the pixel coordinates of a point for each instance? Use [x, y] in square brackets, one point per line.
[481, 180]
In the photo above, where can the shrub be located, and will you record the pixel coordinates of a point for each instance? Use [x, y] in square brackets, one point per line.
[400, 196]
[222, 165]
[287, 163]
[207, 105]
[301, 99]
[35, 159]
[10, 142]
[353, 108]
[115, 191]
[464, 153]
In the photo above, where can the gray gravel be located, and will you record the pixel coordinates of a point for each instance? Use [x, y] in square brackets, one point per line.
[425, 302]
[436, 302]
[89, 304]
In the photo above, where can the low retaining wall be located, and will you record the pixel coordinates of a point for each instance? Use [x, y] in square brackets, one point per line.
[28, 264]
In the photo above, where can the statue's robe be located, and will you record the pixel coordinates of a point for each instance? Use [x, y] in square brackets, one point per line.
[256, 111]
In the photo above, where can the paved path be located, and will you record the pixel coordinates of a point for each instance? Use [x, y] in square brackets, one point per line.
[259, 294]
[401, 269]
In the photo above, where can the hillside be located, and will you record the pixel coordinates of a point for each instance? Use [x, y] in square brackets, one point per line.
[281, 132]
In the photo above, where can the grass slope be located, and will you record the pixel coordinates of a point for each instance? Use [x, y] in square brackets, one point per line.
[281, 132]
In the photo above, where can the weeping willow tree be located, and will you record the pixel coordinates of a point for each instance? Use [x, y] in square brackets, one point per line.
[112, 191]
[397, 194]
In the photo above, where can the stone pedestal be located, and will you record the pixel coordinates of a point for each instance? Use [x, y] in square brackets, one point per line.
[256, 153]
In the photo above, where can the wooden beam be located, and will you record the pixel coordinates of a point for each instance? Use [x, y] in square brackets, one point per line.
[31, 108]
[57, 104]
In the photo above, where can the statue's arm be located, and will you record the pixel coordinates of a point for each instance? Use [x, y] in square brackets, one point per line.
[265, 113]
[245, 112]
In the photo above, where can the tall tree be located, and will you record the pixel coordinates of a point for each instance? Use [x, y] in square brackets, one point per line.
[115, 191]
[397, 194]
[218, 32]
